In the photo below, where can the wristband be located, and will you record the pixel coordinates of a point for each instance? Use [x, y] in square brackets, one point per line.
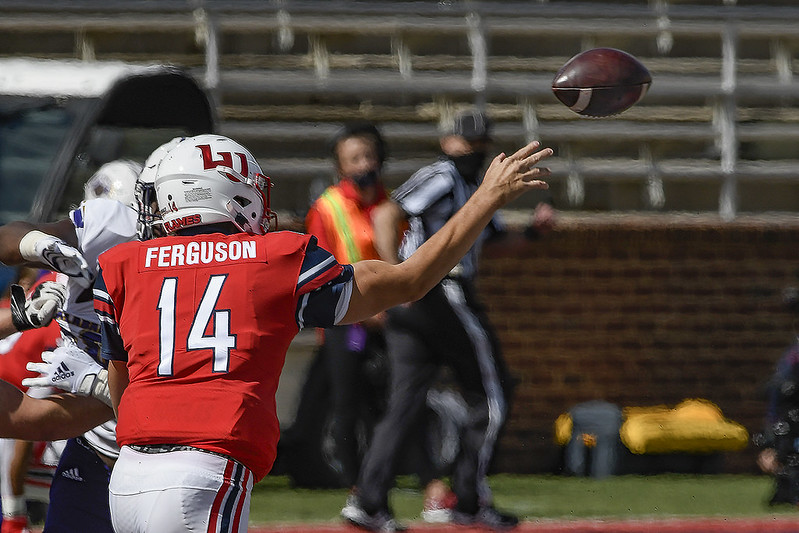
[27, 245]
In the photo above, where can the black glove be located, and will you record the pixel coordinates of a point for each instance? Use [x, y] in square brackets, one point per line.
[42, 307]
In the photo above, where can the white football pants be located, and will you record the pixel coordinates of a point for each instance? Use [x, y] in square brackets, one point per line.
[179, 491]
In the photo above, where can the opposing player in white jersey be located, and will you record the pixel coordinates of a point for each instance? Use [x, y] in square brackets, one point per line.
[79, 494]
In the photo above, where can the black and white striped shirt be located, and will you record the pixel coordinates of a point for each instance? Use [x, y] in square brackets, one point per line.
[430, 197]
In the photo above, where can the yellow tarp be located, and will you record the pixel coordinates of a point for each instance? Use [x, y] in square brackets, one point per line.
[693, 426]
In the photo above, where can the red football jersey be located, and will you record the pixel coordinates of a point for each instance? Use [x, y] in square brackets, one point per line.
[206, 322]
[20, 348]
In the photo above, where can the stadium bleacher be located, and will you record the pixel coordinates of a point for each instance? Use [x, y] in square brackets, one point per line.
[716, 133]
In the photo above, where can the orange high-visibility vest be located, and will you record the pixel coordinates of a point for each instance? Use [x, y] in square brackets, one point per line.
[348, 228]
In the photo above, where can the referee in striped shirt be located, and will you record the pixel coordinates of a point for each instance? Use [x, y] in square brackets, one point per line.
[447, 327]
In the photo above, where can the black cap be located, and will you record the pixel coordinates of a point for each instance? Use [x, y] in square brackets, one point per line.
[472, 126]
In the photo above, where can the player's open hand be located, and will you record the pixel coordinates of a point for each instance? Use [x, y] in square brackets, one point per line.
[508, 177]
[67, 367]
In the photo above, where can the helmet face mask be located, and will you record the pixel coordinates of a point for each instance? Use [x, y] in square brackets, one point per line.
[149, 220]
[210, 179]
[238, 205]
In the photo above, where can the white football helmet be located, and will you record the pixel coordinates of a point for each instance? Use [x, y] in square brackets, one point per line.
[210, 179]
[115, 180]
[149, 219]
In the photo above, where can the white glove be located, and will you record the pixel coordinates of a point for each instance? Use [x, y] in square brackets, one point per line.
[40, 309]
[71, 369]
[58, 255]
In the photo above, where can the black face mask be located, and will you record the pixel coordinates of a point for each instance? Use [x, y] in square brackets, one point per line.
[469, 165]
[366, 179]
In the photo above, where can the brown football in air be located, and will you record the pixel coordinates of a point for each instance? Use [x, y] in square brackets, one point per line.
[601, 82]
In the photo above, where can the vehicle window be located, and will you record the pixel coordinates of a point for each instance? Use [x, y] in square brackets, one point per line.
[107, 144]
[30, 137]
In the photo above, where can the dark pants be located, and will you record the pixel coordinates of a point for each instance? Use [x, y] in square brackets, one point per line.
[356, 398]
[79, 493]
[445, 328]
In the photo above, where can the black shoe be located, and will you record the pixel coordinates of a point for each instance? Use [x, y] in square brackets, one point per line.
[487, 517]
[379, 522]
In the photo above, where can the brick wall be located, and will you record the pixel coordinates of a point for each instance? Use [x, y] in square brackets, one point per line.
[639, 310]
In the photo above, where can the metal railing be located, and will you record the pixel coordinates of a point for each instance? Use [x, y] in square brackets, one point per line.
[719, 100]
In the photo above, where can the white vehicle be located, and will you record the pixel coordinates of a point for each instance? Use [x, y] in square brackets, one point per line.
[61, 120]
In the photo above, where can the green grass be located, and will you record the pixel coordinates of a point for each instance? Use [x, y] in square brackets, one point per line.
[535, 497]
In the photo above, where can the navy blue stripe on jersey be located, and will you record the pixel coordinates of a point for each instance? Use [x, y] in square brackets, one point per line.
[315, 264]
[76, 215]
[112, 347]
[103, 305]
[328, 304]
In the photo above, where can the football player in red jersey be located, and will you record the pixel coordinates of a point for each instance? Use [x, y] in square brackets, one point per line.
[196, 326]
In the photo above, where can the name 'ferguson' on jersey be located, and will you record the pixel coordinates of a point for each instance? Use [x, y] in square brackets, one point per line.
[193, 307]
[199, 253]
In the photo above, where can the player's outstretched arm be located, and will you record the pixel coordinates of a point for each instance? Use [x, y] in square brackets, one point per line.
[55, 417]
[380, 285]
[53, 246]
[12, 233]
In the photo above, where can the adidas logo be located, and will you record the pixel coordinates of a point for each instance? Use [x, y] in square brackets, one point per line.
[72, 474]
[62, 372]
